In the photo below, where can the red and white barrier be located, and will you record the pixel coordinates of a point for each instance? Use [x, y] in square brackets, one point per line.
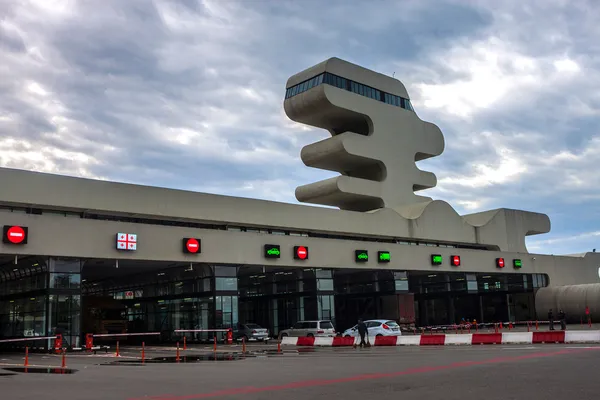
[57, 345]
[453, 339]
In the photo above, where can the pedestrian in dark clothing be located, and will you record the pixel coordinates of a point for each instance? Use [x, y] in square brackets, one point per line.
[551, 319]
[362, 331]
[563, 320]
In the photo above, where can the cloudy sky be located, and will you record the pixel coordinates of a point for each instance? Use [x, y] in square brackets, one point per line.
[188, 94]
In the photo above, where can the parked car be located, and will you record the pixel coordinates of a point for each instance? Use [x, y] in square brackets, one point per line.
[376, 327]
[250, 332]
[310, 329]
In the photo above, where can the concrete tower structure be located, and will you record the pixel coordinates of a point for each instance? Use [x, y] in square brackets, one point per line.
[376, 137]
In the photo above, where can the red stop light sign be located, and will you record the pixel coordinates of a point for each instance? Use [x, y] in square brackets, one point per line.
[14, 234]
[300, 252]
[191, 245]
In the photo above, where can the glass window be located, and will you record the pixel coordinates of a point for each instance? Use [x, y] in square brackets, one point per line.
[222, 270]
[323, 273]
[326, 325]
[324, 284]
[311, 325]
[65, 265]
[226, 284]
[401, 285]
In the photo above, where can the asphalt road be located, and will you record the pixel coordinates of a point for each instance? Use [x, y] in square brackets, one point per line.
[445, 372]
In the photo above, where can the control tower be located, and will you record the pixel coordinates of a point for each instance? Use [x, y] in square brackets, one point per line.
[376, 137]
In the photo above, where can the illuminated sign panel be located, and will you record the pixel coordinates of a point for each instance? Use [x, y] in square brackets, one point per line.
[272, 251]
[127, 241]
[455, 261]
[12, 234]
[436, 259]
[500, 262]
[517, 263]
[300, 252]
[361, 256]
[192, 245]
[384, 257]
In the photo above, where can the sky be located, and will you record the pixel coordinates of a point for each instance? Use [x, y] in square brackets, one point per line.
[188, 94]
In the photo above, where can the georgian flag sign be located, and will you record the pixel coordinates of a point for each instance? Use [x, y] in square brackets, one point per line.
[127, 241]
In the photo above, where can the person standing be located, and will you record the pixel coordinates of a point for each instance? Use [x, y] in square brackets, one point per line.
[362, 331]
[562, 318]
[551, 319]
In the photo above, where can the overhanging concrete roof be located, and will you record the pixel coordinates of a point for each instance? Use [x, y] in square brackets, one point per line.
[503, 229]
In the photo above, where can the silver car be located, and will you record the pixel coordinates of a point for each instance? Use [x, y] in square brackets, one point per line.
[251, 332]
[310, 329]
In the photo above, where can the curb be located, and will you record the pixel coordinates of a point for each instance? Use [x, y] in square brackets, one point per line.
[453, 339]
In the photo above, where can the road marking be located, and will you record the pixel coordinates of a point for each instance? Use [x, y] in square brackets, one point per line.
[358, 378]
[520, 348]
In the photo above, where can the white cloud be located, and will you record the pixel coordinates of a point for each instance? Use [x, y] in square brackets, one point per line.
[490, 71]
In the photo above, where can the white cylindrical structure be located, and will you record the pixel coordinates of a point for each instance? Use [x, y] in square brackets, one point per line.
[572, 299]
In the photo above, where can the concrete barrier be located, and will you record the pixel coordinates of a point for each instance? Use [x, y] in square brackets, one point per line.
[459, 339]
[582, 337]
[408, 340]
[545, 337]
[517, 337]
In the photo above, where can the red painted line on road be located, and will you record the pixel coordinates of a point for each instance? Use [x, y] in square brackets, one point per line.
[326, 382]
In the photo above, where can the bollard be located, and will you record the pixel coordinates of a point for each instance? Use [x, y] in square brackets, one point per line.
[279, 347]
[590, 322]
[495, 328]
[117, 353]
[177, 357]
[528, 326]
[58, 340]
[26, 356]
[64, 359]
[89, 341]
[243, 345]
[184, 343]
[215, 345]
[510, 326]
[476, 327]
[143, 352]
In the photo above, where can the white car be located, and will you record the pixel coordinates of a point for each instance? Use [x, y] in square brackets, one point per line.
[376, 327]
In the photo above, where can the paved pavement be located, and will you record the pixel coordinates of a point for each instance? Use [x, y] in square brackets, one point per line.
[449, 373]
